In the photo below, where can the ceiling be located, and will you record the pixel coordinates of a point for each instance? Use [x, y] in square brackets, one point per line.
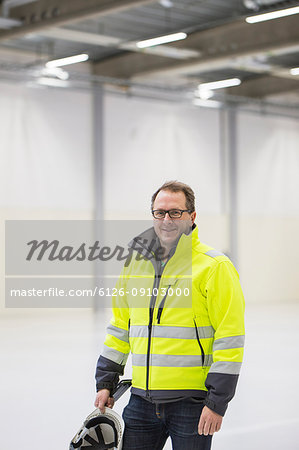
[219, 44]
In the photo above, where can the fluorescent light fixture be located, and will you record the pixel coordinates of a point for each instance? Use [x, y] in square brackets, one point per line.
[230, 82]
[204, 94]
[166, 3]
[163, 50]
[273, 15]
[66, 61]
[207, 103]
[44, 81]
[295, 71]
[55, 72]
[161, 40]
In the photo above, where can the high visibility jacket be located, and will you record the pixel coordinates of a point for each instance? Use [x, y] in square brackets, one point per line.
[184, 324]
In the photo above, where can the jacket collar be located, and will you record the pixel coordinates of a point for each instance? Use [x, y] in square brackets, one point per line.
[147, 243]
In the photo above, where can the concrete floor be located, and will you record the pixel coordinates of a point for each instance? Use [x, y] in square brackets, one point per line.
[48, 360]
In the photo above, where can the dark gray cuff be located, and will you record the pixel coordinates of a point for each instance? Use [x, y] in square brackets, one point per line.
[217, 408]
[107, 374]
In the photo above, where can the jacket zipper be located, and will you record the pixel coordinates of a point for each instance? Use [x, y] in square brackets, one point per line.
[158, 275]
[161, 306]
[150, 325]
[200, 345]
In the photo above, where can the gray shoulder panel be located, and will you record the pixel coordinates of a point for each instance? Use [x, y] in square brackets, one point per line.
[213, 253]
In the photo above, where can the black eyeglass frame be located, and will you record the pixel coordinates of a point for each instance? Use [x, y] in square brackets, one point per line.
[169, 213]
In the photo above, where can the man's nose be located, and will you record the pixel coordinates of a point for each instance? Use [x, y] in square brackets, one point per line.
[167, 216]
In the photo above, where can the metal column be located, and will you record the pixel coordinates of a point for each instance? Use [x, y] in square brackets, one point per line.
[233, 183]
[98, 147]
[98, 172]
[228, 181]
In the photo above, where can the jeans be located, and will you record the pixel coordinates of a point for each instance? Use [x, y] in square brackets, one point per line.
[148, 425]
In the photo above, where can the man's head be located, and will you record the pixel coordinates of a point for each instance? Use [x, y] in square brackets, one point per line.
[178, 200]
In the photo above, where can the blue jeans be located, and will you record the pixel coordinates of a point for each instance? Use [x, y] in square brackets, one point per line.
[148, 425]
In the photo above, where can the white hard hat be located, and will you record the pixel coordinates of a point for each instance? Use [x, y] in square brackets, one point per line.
[100, 432]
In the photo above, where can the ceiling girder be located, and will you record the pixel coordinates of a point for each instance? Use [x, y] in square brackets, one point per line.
[218, 46]
[112, 42]
[264, 86]
[129, 65]
[47, 13]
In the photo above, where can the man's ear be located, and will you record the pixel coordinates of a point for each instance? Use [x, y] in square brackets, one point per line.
[193, 215]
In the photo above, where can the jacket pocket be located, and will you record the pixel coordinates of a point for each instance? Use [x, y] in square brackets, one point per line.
[200, 344]
[170, 283]
[161, 306]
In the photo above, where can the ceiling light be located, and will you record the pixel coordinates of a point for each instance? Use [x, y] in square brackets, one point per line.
[44, 81]
[250, 4]
[207, 103]
[66, 61]
[163, 50]
[273, 15]
[230, 82]
[55, 72]
[203, 93]
[295, 71]
[166, 3]
[161, 40]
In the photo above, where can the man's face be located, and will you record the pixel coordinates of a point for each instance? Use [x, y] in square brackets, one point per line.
[169, 230]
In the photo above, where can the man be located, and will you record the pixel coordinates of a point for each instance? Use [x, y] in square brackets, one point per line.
[186, 354]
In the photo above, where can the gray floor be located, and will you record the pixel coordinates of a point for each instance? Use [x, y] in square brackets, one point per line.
[47, 388]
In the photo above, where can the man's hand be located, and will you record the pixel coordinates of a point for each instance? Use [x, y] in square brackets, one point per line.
[103, 399]
[209, 422]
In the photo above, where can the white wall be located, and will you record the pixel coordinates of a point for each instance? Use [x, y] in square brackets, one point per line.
[268, 180]
[46, 169]
[150, 142]
[147, 143]
[46, 154]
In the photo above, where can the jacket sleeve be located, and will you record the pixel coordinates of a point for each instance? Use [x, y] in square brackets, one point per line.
[113, 358]
[226, 311]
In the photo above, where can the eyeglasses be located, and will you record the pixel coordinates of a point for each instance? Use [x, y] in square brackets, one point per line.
[173, 213]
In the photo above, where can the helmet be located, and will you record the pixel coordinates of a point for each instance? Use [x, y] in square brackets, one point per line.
[99, 432]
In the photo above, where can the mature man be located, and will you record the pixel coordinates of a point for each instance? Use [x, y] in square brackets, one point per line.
[186, 352]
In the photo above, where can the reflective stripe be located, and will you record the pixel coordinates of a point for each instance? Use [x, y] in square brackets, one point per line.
[208, 360]
[119, 333]
[169, 360]
[138, 331]
[173, 332]
[160, 331]
[232, 368]
[114, 355]
[206, 332]
[213, 253]
[229, 342]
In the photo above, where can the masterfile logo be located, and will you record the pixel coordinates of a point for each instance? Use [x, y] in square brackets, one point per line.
[79, 263]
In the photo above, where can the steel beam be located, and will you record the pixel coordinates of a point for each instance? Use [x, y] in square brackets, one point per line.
[110, 41]
[265, 86]
[220, 47]
[127, 65]
[48, 13]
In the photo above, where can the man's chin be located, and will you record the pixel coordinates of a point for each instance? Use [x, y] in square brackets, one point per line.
[168, 239]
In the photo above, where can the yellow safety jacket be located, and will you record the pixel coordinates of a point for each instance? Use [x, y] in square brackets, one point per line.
[183, 324]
